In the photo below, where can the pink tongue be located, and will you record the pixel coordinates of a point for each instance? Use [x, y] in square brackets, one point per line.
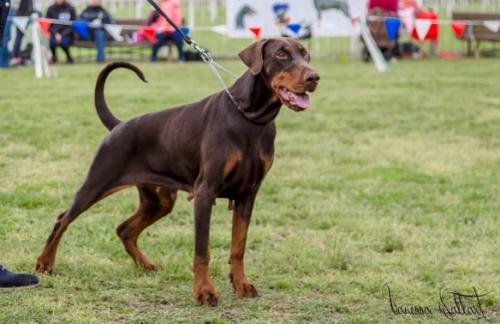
[297, 100]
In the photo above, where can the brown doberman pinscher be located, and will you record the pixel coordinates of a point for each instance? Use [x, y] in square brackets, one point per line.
[212, 149]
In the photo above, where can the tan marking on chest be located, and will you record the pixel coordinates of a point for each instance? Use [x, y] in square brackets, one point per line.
[232, 160]
[267, 160]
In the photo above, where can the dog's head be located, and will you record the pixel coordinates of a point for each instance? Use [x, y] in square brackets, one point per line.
[284, 66]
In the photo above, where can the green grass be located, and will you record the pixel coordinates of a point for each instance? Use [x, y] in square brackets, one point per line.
[389, 178]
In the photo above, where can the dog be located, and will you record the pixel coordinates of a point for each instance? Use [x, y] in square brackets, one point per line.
[246, 10]
[342, 5]
[213, 148]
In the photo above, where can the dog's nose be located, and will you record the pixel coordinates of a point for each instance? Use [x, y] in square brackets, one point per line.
[311, 76]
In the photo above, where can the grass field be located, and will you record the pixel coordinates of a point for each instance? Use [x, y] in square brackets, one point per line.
[388, 179]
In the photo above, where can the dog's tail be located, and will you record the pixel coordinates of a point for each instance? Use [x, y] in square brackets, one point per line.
[105, 115]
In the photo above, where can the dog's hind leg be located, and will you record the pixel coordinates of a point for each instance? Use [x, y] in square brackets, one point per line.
[155, 203]
[102, 180]
[84, 199]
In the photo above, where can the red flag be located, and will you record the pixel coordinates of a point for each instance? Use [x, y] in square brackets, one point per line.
[44, 26]
[458, 27]
[149, 33]
[255, 31]
[432, 32]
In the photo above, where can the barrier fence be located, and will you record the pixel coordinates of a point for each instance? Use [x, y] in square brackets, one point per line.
[205, 19]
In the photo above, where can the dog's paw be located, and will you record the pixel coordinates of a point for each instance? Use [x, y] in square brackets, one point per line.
[146, 265]
[243, 288]
[44, 267]
[206, 295]
[149, 266]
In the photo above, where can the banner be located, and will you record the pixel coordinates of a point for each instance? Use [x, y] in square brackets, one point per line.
[295, 28]
[422, 28]
[492, 25]
[322, 17]
[392, 27]
[426, 26]
[114, 31]
[458, 28]
[44, 26]
[81, 27]
[149, 33]
[21, 23]
[255, 31]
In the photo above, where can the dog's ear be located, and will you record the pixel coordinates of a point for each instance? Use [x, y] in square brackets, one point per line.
[253, 56]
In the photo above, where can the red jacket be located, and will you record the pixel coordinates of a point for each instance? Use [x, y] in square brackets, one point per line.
[387, 5]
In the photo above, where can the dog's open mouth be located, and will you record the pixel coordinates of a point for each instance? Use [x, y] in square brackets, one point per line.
[295, 101]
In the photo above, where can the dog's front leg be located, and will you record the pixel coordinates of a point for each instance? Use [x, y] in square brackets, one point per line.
[204, 292]
[242, 212]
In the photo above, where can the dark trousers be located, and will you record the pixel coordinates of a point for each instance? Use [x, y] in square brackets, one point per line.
[65, 44]
[16, 51]
[162, 40]
[4, 12]
[5, 23]
[99, 36]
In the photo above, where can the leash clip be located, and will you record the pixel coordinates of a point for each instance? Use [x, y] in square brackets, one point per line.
[206, 56]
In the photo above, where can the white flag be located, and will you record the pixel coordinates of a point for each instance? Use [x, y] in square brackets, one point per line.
[20, 23]
[221, 29]
[493, 25]
[422, 26]
[114, 31]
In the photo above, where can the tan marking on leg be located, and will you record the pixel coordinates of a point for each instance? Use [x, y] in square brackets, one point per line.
[241, 285]
[204, 292]
[146, 214]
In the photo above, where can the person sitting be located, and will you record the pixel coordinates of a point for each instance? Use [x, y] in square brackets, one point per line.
[61, 35]
[96, 15]
[165, 32]
[10, 279]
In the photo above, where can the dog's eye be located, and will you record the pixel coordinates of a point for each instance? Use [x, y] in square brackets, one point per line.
[305, 55]
[281, 55]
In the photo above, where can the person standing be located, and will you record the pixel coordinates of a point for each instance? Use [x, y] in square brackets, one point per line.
[25, 9]
[96, 15]
[61, 35]
[5, 22]
[4, 12]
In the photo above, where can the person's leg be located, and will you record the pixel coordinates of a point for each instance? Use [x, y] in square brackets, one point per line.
[4, 12]
[7, 17]
[10, 279]
[100, 36]
[16, 51]
[161, 40]
[65, 44]
[179, 42]
[53, 46]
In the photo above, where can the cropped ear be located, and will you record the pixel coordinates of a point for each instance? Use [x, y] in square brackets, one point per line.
[253, 56]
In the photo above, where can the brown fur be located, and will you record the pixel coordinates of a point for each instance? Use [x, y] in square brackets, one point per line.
[211, 149]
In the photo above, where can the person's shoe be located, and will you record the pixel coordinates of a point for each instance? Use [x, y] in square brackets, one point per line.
[70, 60]
[15, 61]
[16, 280]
